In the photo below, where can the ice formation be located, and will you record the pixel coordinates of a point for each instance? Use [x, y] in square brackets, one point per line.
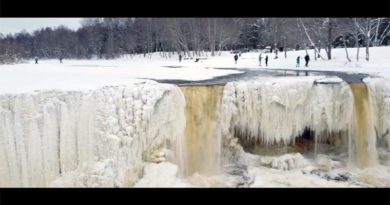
[105, 137]
[278, 110]
[289, 162]
[380, 97]
[50, 134]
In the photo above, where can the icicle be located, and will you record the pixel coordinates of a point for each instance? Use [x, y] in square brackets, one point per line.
[50, 133]
[279, 109]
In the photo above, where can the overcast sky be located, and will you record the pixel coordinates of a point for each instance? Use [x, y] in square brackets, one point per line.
[14, 25]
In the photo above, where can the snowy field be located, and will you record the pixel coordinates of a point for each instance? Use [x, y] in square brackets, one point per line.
[90, 74]
[69, 131]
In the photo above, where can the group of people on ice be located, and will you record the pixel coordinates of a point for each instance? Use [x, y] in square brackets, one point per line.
[196, 59]
[266, 60]
[36, 59]
[307, 59]
[236, 56]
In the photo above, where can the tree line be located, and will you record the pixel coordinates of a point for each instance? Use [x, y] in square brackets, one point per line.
[112, 37]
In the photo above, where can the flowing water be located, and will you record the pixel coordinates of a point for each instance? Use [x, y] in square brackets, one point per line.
[365, 137]
[202, 133]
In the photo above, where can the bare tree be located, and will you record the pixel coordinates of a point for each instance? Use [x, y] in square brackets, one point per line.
[365, 27]
[310, 39]
[227, 31]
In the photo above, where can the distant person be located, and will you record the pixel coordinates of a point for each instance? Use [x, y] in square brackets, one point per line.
[36, 60]
[266, 61]
[298, 61]
[260, 59]
[307, 59]
[235, 58]
[180, 57]
[61, 59]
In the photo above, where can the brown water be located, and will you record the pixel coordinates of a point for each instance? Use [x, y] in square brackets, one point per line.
[364, 133]
[202, 135]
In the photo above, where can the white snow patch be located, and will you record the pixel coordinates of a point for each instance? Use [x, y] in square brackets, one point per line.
[163, 174]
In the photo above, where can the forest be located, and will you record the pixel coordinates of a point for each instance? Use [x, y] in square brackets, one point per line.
[108, 38]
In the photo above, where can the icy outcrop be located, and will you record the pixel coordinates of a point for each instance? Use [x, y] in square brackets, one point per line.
[98, 174]
[276, 110]
[48, 134]
[325, 163]
[380, 97]
[104, 137]
[289, 162]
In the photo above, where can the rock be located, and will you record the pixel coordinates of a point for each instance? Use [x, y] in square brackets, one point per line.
[289, 162]
[249, 159]
[160, 159]
[308, 169]
[266, 160]
[162, 155]
[239, 174]
[338, 176]
[233, 143]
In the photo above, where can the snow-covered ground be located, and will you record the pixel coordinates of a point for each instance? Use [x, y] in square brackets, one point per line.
[90, 74]
[379, 63]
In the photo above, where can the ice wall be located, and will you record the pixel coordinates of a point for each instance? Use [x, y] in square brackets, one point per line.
[380, 97]
[103, 137]
[277, 110]
[90, 138]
